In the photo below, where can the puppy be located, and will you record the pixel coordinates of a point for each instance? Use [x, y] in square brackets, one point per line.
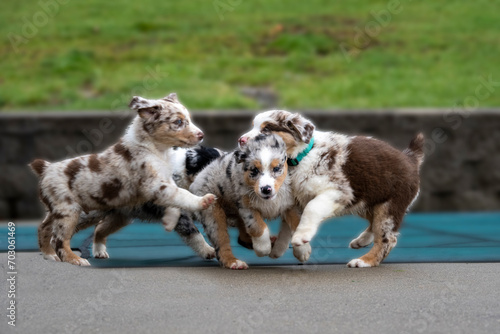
[333, 175]
[250, 185]
[129, 173]
[186, 164]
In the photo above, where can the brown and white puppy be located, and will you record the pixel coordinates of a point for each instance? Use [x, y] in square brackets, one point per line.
[346, 175]
[186, 163]
[251, 185]
[133, 171]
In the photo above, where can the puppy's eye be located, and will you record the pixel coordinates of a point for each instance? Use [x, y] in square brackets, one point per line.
[276, 169]
[178, 122]
[254, 172]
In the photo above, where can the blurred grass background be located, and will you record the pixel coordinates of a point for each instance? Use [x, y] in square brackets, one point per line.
[97, 54]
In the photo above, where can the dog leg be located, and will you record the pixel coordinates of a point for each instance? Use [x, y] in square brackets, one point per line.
[215, 223]
[363, 240]
[44, 236]
[385, 238]
[109, 225]
[170, 218]
[244, 239]
[291, 218]
[167, 194]
[193, 238]
[258, 231]
[64, 223]
[323, 206]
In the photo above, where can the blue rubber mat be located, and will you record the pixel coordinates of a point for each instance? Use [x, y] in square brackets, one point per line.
[443, 237]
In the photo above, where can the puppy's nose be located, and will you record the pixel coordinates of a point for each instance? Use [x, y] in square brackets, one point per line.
[200, 135]
[242, 141]
[266, 190]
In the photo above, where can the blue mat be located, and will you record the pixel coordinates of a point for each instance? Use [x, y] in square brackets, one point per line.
[443, 237]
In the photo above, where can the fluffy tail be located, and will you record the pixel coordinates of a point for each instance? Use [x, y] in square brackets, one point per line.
[39, 166]
[416, 148]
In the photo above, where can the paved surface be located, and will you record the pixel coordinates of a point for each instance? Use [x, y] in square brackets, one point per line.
[393, 298]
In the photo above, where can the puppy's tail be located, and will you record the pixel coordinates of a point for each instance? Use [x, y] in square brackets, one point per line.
[39, 166]
[416, 149]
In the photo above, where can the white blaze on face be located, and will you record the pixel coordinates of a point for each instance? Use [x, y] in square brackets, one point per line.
[266, 180]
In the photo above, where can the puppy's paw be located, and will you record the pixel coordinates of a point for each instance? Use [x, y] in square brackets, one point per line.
[358, 263]
[301, 237]
[99, 251]
[262, 245]
[51, 257]
[78, 261]
[207, 200]
[302, 252]
[237, 265]
[363, 240]
[279, 248]
[208, 253]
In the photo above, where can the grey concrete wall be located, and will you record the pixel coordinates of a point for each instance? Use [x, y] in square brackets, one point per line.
[461, 171]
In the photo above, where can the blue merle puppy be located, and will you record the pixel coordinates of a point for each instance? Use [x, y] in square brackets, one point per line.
[251, 185]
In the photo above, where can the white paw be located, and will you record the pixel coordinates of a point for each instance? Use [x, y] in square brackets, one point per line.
[51, 257]
[208, 253]
[303, 252]
[301, 237]
[262, 245]
[363, 240]
[206, 201]
[358, 263]
[238, 265]
[99, 251]
[80, 262]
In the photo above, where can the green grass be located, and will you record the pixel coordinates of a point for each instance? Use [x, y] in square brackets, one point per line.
[96, 54]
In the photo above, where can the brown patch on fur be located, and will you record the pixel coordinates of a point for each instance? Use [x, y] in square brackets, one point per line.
[44, 236]
[38, 166]
[45, 200]
[57, 215]
[292, 218]
[68, 200]
[72, 169]
[375, 170]
[111, 190]
[94, 163]
[163, 187]
[225, 254]
[280, 179]
[330, 157]
[244, 239]
[120, 149]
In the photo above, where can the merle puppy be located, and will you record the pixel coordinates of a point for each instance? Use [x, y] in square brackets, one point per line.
[187, 163]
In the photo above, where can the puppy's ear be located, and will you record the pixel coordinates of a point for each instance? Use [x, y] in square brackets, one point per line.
[240, 156]
[302, 128]
[172, 97]
[146, 108]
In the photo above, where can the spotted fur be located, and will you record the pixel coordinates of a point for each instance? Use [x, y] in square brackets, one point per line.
[132, 172]
[186, 164]
[251, 185]
[346, 174]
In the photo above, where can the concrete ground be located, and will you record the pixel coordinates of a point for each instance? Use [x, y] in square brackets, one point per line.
[393, 298]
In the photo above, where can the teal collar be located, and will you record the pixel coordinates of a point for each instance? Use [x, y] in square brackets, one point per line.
[295, 162]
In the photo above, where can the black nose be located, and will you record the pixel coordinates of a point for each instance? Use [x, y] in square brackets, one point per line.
[266, 190]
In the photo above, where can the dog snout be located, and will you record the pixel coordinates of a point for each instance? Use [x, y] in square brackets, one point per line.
[200, 135]
[242, 141]
[266, 190]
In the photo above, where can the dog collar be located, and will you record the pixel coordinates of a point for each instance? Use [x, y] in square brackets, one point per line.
[295, 162]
